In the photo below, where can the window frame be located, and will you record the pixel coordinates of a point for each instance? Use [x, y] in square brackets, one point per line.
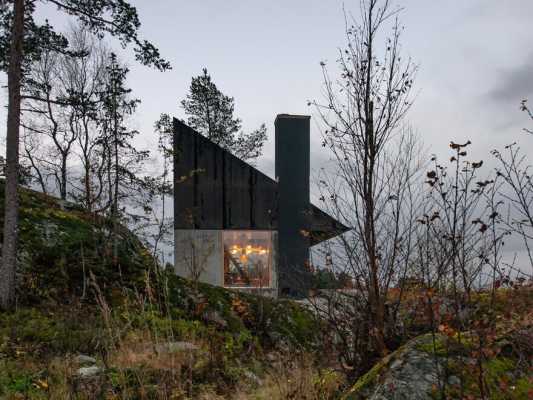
[270, 263]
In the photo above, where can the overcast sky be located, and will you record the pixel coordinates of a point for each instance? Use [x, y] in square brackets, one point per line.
[475, 59]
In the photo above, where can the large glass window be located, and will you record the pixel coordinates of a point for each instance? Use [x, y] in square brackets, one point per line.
[247, 258]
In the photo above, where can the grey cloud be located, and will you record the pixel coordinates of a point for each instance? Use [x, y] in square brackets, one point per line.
[514, 84]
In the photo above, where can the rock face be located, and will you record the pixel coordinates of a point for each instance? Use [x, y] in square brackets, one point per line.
[430, 367]
[87, 372]
[410, 377]
[88, 367]
[176, 347]
[407, 374]
[82, 359]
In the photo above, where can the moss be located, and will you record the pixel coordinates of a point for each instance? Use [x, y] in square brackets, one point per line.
[504, 378]
[501, 369]
[522, 388]
[443, 346]
[437, 347]
[496, 367]
[269, 319]
[42, 333]
[357, 391]
[286, 319]
[60, 243]
[61, 246]
[15, 382]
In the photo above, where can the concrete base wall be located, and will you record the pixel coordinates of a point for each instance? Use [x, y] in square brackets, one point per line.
[198, 254]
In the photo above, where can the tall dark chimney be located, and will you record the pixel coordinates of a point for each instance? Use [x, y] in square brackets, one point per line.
[292, 174]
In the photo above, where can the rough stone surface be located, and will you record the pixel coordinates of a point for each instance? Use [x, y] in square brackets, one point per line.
[407, 374]
[88, 372]
[252, 377]
[176, 347]
[85, 360]
[413, 378]
[214, 317]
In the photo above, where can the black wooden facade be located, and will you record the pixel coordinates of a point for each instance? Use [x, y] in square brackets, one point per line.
[215, 190]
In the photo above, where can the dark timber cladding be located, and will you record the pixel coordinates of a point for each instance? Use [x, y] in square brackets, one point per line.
[292, 173]
[215, 190]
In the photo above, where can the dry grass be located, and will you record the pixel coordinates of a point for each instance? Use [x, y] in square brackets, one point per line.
[288, 380]
[138, 349]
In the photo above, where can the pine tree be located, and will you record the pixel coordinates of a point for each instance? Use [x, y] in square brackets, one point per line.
[124, 160]
[22, 39]
[210, 112]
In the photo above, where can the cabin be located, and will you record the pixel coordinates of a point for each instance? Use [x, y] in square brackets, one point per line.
[238, 228]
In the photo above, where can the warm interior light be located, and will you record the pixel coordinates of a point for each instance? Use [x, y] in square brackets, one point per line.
[249, 249]
[248, 262]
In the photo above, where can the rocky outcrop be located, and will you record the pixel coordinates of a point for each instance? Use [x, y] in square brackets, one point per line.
[437, 366]
[62, 245]
[410, 373]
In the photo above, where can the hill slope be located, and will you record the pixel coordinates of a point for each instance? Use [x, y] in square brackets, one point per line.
[88, 326]
[60, 243]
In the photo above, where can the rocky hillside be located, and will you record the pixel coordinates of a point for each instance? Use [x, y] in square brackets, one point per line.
[91, 326]
[479, 364]
[61, 245]
[88, 326]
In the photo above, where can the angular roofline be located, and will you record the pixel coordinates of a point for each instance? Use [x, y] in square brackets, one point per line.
[317, 235]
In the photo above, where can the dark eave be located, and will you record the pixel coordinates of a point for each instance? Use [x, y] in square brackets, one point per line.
[324, 226]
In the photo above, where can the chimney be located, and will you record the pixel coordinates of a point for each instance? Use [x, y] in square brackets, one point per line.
[292, 174]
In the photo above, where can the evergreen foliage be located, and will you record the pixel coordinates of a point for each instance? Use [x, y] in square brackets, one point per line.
[115, 17]
[21, 39]
[210, 112]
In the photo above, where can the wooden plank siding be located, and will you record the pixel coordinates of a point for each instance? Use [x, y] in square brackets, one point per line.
[213, 189]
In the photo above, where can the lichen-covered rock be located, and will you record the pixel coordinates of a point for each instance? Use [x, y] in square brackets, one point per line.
[215, 318]
[176, 347]
[410, 373]
[88, 372]
[83, 359]
[438, 366]
[62, 245]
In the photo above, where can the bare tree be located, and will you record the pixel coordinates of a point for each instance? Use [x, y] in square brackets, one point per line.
[459, 223]
[48, 117]
[516, 172]
[34, 157]
[363, 111]
[524, 107]
[162, 185]
[62, 113]
[195, 252]
[83, 81]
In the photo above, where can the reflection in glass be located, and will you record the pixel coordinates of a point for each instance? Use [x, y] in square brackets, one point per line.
[247, 258]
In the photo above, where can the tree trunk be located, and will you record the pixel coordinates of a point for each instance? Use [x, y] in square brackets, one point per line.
[115, 202]
[87, 183]
[63, 189]
[117, 176]
[14, 78]
[377, 299]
